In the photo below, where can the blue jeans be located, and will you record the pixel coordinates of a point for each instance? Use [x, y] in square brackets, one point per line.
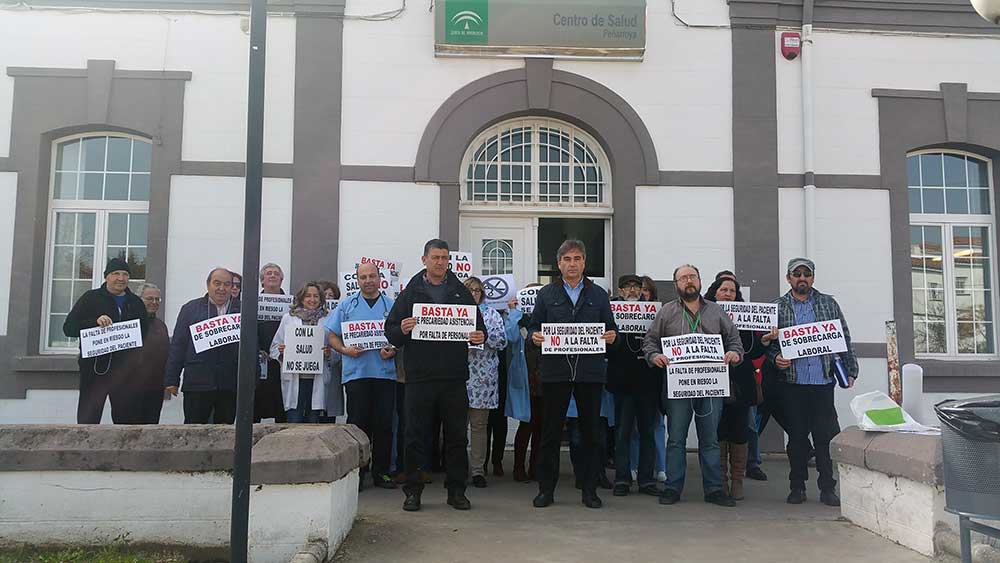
[303, 411]
[639, 412]
[707, 413]
[753, 449]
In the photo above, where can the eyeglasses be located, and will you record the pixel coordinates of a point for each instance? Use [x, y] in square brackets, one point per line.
[801, 274]
[152, 299]
[475, 290]
[687, 277]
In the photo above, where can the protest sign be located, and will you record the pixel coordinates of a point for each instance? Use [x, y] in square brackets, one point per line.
[273, 306]
[389, 266]
[695, 381]
[452, 323]
[303, 350]
[526, 299]
[348, 282]
[634, 316]
[693, 347]
[98, 341]
[573, 338]
[331, 304]
[461, 265]
[366, 335]
[813, 339]
[761, 317]
[215, 332]
[498, 289]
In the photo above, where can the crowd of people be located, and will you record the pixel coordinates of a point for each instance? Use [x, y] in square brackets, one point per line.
[444, 405]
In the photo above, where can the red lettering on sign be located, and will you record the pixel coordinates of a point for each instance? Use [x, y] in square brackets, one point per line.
[675, 351]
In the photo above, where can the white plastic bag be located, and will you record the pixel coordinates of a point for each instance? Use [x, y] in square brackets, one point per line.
[876, 412]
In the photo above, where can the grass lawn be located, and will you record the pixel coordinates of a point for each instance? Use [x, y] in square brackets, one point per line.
[106, 554]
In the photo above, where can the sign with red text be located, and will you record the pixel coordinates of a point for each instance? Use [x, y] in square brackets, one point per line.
[813, 339]
[99, 341]
[215, 332]
[273, 306]
[365, 335]
[697, 381]
[573, 338]
[461, 265]
[760, 317]
[694, 347]
[449, 323]
[526, 299]
[303, 349]
[348, 282]
[634, 316]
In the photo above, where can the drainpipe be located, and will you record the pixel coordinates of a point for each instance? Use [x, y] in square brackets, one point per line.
[808, 130]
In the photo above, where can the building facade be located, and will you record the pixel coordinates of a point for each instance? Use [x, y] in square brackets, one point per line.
[122, 132]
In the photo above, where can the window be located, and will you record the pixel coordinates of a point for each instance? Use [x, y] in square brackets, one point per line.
[951, 254]
[498, 257]
[98, 209]
[535, 163]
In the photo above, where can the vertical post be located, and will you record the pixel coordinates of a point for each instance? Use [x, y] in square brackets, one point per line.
[892, 361]
[238, 532]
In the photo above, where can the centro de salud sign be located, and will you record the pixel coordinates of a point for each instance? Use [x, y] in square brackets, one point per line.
[589, 29]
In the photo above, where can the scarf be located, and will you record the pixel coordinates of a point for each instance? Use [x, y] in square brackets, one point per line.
[309, 316]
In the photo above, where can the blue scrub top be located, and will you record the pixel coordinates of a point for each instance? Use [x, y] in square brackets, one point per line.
[369, 364]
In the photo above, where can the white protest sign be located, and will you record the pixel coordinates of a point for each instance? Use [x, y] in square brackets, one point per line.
[634, 316]
[573, 338]
[215, 332]
[461, 265]
[526, 299]
[98, 341]
[761, 317]
[498, 289]
[813, 339]
[366, 335]
[331, 304]
[696, 381]
[348, 282]
[273, 306]
[452, 323]
[303, 350]
[693, 347]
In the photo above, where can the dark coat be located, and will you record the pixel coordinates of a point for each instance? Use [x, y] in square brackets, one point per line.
[211, 370]
[553, 305]
[742, 384]
[426, 360]
[96, 303]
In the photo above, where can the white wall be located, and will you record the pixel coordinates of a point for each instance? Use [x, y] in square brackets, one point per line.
[682, 90]
[390, 220]
[382, 60]
[206, 230]
[44, 406]
[8, 203]
[853, 250]
[212, 47]
[847, 67]
[675, 225]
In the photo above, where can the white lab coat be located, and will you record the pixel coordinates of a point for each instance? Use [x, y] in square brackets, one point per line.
[290, 381]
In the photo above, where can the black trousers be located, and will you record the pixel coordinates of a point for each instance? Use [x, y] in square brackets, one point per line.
[369, 407]
[450, 401]
[400, 427]
[496, 426]
[130, 404]
[809, 410]
[555, 400]
[733, 425]
[208, 407]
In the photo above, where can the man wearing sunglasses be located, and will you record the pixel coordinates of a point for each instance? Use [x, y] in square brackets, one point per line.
[808, 383]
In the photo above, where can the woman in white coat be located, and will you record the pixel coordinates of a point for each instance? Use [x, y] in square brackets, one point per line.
[304, 394]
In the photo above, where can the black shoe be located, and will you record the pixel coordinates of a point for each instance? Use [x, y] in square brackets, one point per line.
[829, 498]
[669, 496]
[383, 482]
[720, 498]
[797, 496]
[578, 483]
[412, 502]
[756, 474]
[591, 500]
[603, 481]
[620, 490]
[479, 482]
[458, 501]
[542, 500]
[650, 489]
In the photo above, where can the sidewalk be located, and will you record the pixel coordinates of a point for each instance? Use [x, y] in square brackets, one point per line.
[503, 527]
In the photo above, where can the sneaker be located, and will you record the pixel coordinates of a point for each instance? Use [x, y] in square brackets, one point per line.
[479, 482]
[720, 498]
[620, 490]
[796, 496]
[756, 474]
[669, 496]
[650, 489]
[383, 481]
[412, 502]
[829, 498]
[458, 501]
[661, 476]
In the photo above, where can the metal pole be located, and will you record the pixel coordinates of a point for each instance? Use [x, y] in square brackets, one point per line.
[238, 532]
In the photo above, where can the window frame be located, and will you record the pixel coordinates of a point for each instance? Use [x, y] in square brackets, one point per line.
[946, 222]
[102, 209]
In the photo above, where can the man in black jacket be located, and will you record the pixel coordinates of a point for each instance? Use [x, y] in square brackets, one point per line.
[436, 372]
[209, 377]
[113, 302]
[571, 298]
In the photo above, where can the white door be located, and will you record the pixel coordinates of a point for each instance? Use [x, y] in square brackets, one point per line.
[501, 245]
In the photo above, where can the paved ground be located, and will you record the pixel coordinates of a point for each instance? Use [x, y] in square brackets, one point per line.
[503, 526]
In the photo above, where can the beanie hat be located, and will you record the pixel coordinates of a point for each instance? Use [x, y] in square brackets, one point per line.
[116, 264]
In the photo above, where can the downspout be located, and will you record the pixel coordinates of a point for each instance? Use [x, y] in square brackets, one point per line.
[808, 130]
